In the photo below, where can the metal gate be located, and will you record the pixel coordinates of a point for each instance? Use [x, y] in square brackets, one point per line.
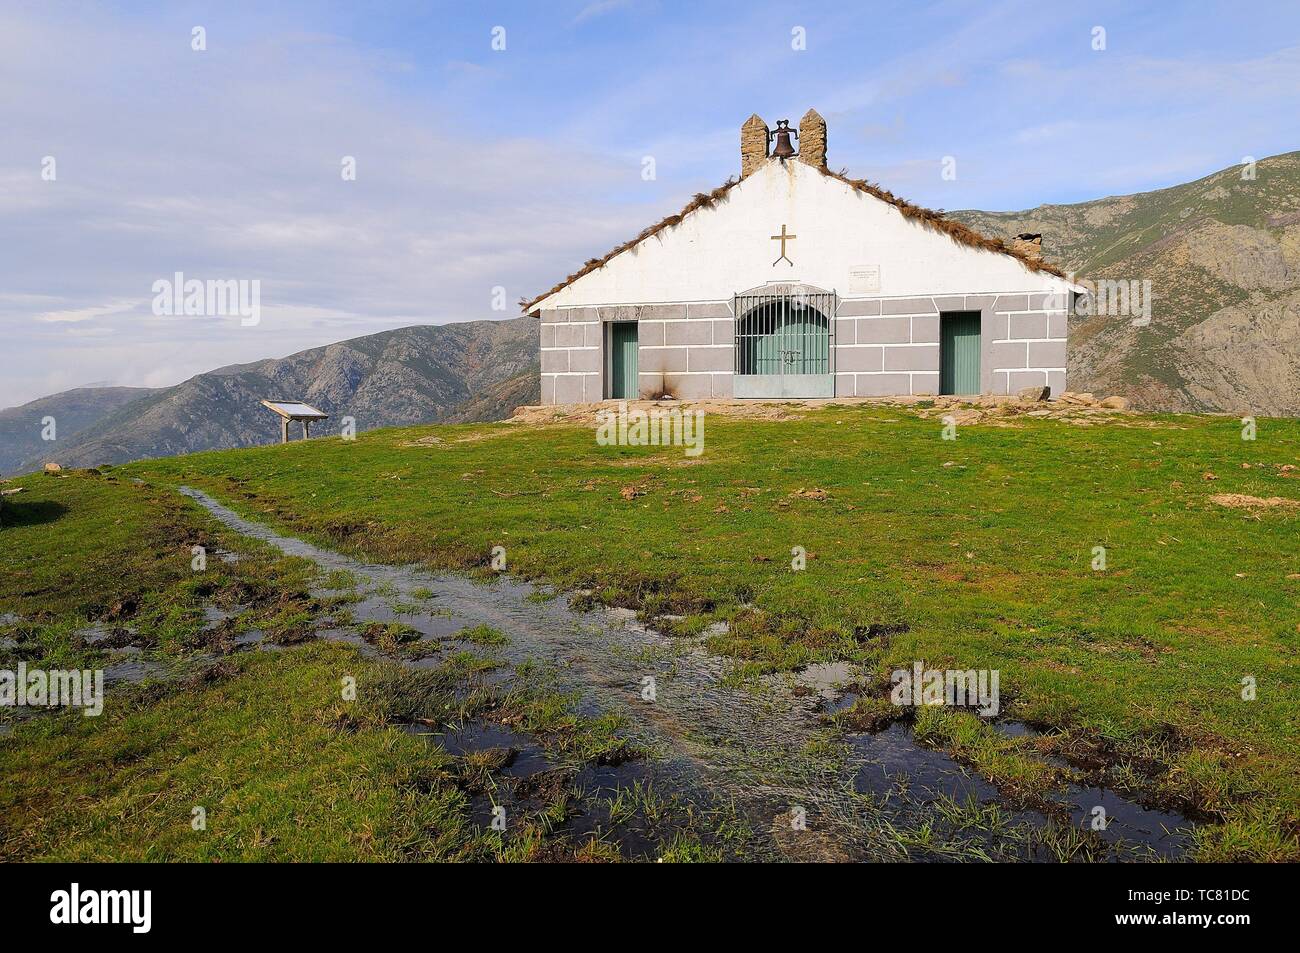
[785, 344]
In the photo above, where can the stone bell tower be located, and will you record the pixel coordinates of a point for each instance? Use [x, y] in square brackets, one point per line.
[753, 144]
[812, 139]
[755, 140]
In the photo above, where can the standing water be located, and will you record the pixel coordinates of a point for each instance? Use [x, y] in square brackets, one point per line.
[808, 791]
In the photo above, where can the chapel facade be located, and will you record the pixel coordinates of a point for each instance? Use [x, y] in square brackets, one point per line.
[798, 282]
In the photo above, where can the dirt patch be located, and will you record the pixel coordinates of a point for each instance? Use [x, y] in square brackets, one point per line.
[433, 440]
[586, 413]
[814, 493]
[1240, 501]
[989, 409]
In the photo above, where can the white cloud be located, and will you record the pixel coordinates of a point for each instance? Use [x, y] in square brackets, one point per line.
[1049, 130]
[89, 314]
[600, 8]
[231, 170]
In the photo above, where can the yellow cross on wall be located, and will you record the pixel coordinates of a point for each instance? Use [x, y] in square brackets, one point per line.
[783, 238]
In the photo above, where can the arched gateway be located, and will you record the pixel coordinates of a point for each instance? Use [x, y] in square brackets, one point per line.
[783, 342]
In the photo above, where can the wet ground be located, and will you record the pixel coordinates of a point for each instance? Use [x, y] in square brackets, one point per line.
[807, 790]
[815, 793]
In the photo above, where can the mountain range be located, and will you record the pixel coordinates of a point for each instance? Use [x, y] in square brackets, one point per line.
[1223, 258]
[451, 373]
[1222, 255]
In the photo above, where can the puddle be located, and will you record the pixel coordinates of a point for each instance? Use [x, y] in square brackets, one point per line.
[527, 757]
[213, 616]
[826, 678]
[123, 671]
[248, 637]
[1164, 833]
[430, 625]
[838, 703]
[763, 750]
[526, 780]
[135, 669]
[1013, 729]
[894, 761]
[96, 633]
[611, 811]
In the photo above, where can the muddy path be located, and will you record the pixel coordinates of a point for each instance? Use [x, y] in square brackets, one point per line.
[808, 791]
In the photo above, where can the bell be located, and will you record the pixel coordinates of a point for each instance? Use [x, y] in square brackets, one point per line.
[782, 132]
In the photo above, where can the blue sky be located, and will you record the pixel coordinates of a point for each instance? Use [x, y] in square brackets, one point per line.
[479, 168]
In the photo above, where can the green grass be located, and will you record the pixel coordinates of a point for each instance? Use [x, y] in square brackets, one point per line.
[84, 544]
[283, 766]
[257, 751]
[483, 635]
[89, 548]
[388, 636]
[340, 580]
[985, 563]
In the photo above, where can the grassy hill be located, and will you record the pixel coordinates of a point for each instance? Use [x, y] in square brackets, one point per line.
[976, 553]
[1223, 256]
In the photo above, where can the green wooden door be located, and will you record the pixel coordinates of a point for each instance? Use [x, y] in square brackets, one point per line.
[622, 360]
[959, 353]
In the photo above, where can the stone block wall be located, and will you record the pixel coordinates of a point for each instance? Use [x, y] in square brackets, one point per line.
[683, 349]
[687, 350]
[573, 356]
[890, 346]
[883, 347]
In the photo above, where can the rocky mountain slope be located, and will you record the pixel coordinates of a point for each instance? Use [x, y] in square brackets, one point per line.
[73, 411]
[478, 370]
[1223, 256]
